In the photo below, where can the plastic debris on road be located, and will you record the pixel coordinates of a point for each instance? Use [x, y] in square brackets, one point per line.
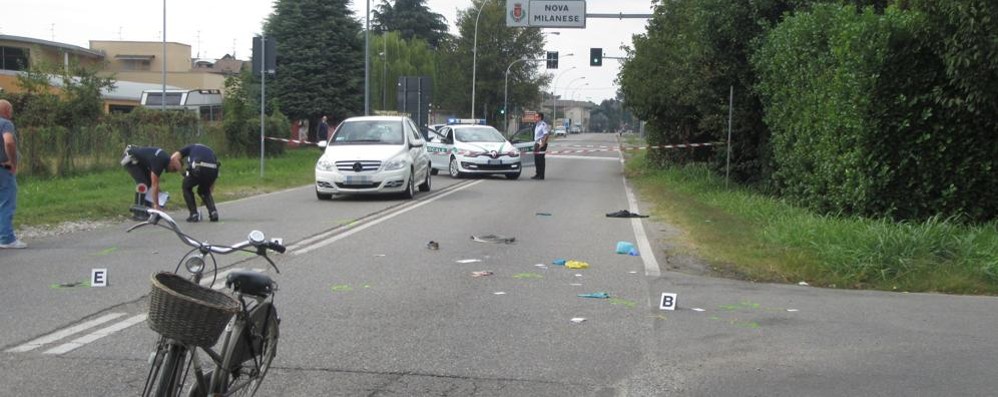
[558, 262]
[697, 309]
[494, 239]
[342, 288]
[623, 247]
[578, 320]
[499, 293]
[469, 261]
[433, 245]
[633, 272]
[527, 275]
[595, 295]
[575, 284]
[481, 274]
[541, 265]
[793, 310]
[633, 252]
[803, 284]
[576, 265]
[625, 214]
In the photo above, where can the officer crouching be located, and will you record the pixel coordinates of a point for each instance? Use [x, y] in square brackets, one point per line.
[202, 171]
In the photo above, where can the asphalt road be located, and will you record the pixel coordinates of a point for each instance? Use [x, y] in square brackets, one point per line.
[368, 310]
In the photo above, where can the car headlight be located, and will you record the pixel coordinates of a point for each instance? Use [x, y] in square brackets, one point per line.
[472, 153]
[325, 165]
[513, 153]
[395, 164]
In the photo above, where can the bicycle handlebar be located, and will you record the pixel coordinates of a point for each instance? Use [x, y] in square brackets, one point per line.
[256, 238]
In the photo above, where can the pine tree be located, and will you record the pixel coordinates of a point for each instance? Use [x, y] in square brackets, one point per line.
[411, 18]
[320, 59]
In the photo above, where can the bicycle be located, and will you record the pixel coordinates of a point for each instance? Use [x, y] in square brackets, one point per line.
[191, 318]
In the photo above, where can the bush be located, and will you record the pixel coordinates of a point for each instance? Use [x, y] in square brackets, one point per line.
[867, 119]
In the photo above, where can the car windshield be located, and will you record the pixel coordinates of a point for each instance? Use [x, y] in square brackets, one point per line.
[478, 134]
[368, 132]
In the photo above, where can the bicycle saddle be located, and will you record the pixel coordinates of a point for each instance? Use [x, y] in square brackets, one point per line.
[249, 283]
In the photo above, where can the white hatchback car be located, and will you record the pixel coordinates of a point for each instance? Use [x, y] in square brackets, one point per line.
[378, 154]
[462, 148]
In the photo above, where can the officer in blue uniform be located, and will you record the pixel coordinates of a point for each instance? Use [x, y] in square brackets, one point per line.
[146, 165]
[202, 171]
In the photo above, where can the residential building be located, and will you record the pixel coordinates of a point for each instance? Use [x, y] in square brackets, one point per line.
[142, 61]
[20, 53]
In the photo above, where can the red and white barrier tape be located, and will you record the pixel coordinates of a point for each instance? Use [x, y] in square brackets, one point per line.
[592, 148]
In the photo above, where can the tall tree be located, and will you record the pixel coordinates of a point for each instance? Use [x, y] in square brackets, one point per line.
[411, 18]
[398, 57]
[320, 59]
[498, 47]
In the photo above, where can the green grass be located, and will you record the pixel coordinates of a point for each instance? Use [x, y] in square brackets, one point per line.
[108, 194]
[753, 236]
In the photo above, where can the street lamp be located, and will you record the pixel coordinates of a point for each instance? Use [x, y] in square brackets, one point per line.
[367, 62]
[554, 85]
[505, 97]
[555, 118]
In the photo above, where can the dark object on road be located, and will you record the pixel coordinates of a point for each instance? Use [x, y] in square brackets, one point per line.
[543, 214]
[433, 245]
[494, 239]
[625, 214]
[595, 295]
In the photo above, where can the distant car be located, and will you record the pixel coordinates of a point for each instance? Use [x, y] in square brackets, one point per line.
[466, 147]
[371, 155]
[560, 131]
[575, 130]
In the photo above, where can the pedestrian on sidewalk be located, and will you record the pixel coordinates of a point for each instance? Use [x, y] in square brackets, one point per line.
[8, 182]
[541, 134]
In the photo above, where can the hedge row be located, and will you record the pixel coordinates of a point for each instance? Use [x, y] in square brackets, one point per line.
[885, 115]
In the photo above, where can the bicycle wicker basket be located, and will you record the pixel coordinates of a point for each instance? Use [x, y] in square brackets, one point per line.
[182, 310]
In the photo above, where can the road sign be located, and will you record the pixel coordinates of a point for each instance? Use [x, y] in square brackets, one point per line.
[546, 13]
[98, 278]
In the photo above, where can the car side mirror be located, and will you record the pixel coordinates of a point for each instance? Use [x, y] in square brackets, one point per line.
[322, 144]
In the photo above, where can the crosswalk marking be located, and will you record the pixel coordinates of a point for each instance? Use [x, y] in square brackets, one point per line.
[34, 344]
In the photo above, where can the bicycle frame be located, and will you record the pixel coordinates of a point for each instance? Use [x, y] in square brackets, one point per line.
[245, 335]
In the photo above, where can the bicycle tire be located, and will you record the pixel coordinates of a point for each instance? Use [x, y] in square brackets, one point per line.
[170, 372]
[245, 369]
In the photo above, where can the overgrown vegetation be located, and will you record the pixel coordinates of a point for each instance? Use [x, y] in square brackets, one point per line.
[758, 237]
[884, 111]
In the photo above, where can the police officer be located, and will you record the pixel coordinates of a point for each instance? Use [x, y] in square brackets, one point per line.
[202, 171]
[145, 165]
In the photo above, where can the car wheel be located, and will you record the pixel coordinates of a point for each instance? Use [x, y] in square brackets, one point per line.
[425, 186]
[434, 171]
[323, 196]
[454, 171]
[513, 176]
[410, 187]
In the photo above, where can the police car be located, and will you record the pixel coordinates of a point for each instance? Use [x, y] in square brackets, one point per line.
[468, 146]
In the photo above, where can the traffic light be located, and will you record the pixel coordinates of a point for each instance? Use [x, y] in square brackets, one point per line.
[502, 111]
[595, 57]
[552, 59]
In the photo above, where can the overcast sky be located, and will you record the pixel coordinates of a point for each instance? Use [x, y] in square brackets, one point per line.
[228, 25]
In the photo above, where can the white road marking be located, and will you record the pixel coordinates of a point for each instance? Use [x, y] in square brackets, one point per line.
[325, 239]
[83, 340]
[34, 344]
[644, 247]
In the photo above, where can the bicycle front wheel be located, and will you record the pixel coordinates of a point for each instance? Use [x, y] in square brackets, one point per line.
[167, 372]
[251, 354]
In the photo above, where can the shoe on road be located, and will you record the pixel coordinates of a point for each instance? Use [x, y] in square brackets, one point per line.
[195, 217]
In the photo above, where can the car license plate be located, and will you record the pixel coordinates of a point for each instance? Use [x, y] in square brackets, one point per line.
[358, 180]
[495, 162]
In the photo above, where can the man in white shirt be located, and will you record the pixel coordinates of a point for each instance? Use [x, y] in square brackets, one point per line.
[541, 134]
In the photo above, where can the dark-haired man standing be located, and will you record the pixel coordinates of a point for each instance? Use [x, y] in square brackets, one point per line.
[541, 134]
